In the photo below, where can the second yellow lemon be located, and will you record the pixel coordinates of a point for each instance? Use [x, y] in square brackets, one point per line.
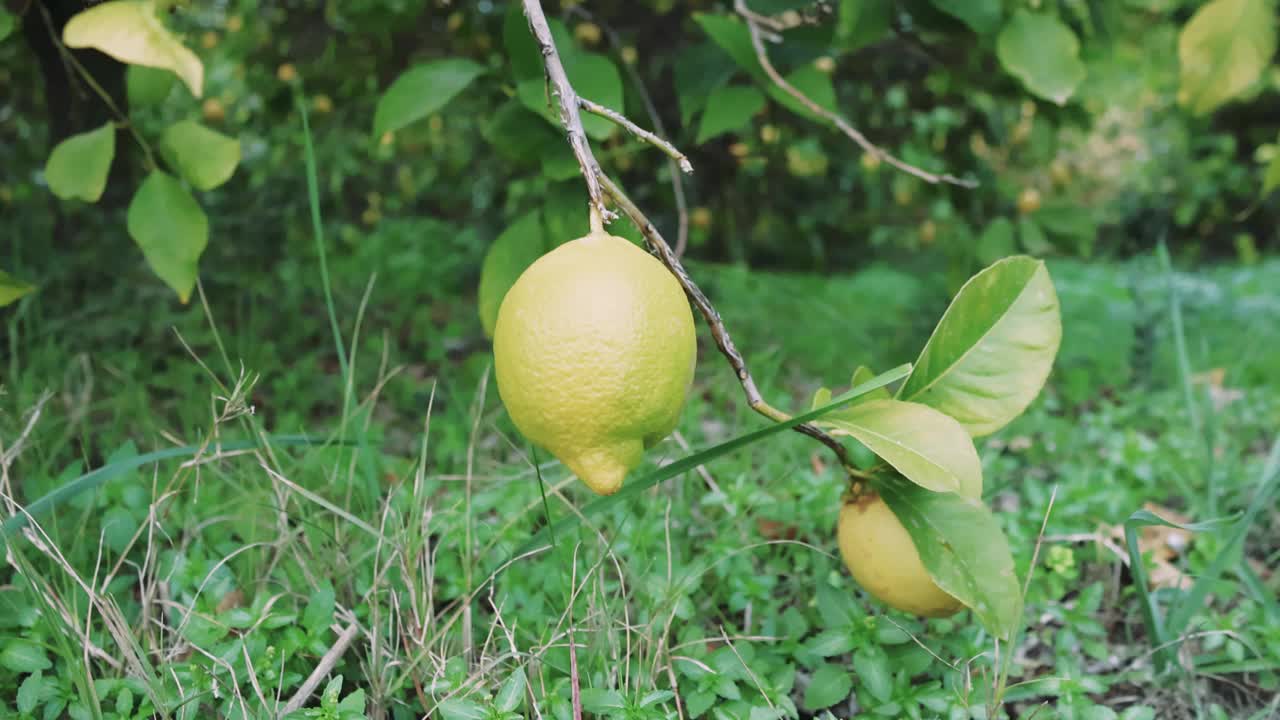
[594, 350]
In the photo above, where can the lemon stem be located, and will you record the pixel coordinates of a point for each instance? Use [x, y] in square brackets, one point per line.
[597, 223]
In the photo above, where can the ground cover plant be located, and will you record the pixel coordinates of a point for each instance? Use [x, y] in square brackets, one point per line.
[1027, 481]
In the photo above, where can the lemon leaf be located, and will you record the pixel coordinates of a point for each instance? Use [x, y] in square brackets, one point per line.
[131, 32]
[929, 448]
[11, 288]
[962, 546]
[170, 228]
[147, 86]
[511, 253]
[422, 90]
[1043, 53]
[206, 158]
[78, 166]
[991, 352]
[1223, 50]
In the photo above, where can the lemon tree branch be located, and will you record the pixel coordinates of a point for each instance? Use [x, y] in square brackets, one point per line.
[676, 176]
[597, 109]
[754, 22]
[600, 184]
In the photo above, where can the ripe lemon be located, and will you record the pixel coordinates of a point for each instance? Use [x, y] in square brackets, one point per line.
[594, 350]
[881, 556]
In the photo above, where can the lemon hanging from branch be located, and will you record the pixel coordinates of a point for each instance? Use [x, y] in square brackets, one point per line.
[594, 350]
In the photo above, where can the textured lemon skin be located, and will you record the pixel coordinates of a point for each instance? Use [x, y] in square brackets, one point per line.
[879, 553]
[594, 350]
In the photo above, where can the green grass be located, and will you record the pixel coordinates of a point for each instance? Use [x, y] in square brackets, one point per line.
[217, 582]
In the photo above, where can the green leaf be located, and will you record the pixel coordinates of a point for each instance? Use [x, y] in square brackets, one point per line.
[983, 16]
[872, 666]
[461, 710]
[1043, 53]
[78, 166]
[734, 38]
[205, 158]
[30, 692]
[595, 76]
[992, 350]
[422, 90]
[510, 255]
[1032, 238]
[601, 700]
[862, 22]
[815, 84]
[171, 229]
[1223, 50]
[926, 446]
[863, 374]
[1271, 178]
[147, 86]
[131, 32]
[829, 685]
[728, 109]
[24, 656]
[11, 288]
[511, 695]
[964, 550]
[699, 70]
[7, 23]
[319, 612]
[836, 641]
[997, 242]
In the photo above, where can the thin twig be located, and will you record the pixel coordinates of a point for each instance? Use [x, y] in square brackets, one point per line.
[757, 41]
[567, 101]
[599, 181]
[677, 177]
[322, 669]
[618, 118]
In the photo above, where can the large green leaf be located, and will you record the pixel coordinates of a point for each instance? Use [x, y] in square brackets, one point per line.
[131, 32]
[728, 109]
[11, 288]
[78, 166]
[992, 350]
[983, 16]
[732, 35]
[147, 86]
[422, 90]
[206, 158]
[699, 70]
[862, 22]
[1043, 53]
[171, 229]
[523, 242]
[929, 448]
[1223, 50]
[814, 84]
[964, 550]
[7, 23]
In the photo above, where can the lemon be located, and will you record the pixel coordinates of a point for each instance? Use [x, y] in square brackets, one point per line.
[594, 350]
[881, 556]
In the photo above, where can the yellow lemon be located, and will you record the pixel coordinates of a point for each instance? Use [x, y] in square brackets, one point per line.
[594, 350]
[881, 556]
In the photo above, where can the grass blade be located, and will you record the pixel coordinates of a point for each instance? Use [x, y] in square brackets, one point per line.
[94, 478]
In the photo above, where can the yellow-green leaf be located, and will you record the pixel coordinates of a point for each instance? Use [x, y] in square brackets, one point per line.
[171, 229]
[131, 32]
[992, 350]
[78, 166]
[206, 158]
[11, 288]
[1223, 50]
[929, 448]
